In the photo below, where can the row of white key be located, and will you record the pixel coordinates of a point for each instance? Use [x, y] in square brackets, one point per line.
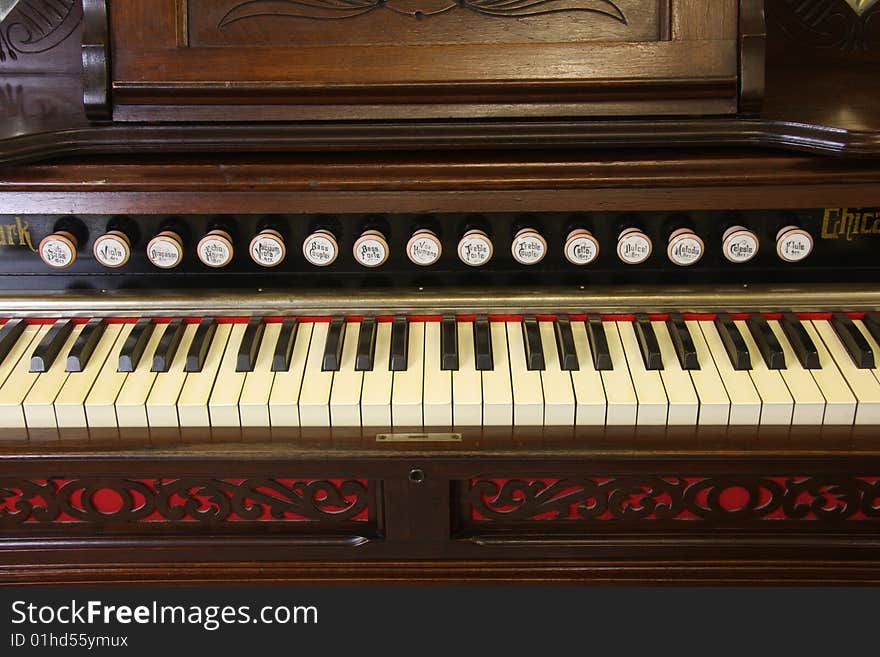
[838, 393]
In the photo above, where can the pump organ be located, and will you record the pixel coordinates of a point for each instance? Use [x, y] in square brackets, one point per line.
[409, 316]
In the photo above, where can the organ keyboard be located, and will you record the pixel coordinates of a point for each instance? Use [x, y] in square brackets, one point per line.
[441, 373]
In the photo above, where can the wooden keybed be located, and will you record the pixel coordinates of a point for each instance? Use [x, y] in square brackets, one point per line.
[419, 523]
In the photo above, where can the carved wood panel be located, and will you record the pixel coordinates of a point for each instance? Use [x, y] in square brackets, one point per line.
[227, 60]
[33, 31]
[156, 503]
[421, 22]
[658, 502]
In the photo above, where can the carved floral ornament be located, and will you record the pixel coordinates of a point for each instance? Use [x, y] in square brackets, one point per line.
[418, 9]
[30, 27]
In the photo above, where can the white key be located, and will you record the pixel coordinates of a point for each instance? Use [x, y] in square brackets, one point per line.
[559, 405]
[253, 405]
[623, 404]
[22, 345]
[192, 406]
[100, 403]
[131, 403]
[314, 398]
[284, 398]
[18, 378]
[497, 388]
[863, 383]
[653, 402]
[70, 404]
[684, 406]
[406, 392]
[809, 403]
[589, 392]
[437, 392]
[223, 402]
[840, 402]
[345, 397]
[162, 402]
[777, 405]
[528, 396]
[39, 409]
[376, 392]
[467, 389]
[714, 402]
[745, 402]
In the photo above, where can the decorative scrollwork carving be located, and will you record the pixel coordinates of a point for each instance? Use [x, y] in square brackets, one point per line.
[118, 500]
[342, 9]
[829, 24]
[29, 27]
[716, 500]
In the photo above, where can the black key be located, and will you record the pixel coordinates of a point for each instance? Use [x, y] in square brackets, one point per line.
[767, 342]
[449, 344]
[736, 347]
[50, 346]
[599, 345]
[135, 344]
[871, 321]
[85, 344]
[9, 335]
[198, 349]
[366, 347]
[532, 340]
[800, 341]
[856, 343]
[483, 359]
[648, 344]
[250, 345]
[568, 358]
[399, 344]
[284, 346]
[333, 346]
[683, 342]
[168, 344]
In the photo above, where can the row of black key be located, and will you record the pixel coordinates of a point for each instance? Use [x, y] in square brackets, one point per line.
[132, 351]
[763, 335]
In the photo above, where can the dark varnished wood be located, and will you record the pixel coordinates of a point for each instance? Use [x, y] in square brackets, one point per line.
[445, 182]
[752, 56]
[831, 27]
[609, 58]
[418, 527]
[79, 139]
[815, 572]
[95, 60]
[417, 541]
[36, 39]
[818, 120]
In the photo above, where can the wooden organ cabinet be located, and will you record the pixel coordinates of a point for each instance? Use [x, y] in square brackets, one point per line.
[439, 290]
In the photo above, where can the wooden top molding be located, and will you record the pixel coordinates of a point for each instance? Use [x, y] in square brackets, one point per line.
[503, 180]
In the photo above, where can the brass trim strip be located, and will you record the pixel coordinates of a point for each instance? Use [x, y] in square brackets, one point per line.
[426, 437]
[606, 299]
